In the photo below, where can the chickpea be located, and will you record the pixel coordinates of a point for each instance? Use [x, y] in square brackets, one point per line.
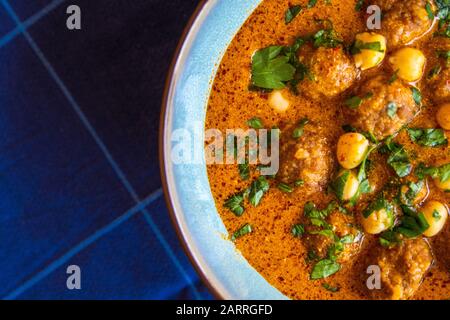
[414, 193]
[443, 116]
[278, 102]
[436, 214]
[409, 63]
[368, 58]
[379, 220]
[350, 187]
[351, 149]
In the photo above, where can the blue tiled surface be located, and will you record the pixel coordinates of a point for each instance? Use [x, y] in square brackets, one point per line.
[79, 175]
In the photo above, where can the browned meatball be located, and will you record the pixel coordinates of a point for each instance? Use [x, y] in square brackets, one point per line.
[343, 227]
[332, 72]
[403, 269]
[308, 158]
[386, 107]
[440, 86]
[404, 21]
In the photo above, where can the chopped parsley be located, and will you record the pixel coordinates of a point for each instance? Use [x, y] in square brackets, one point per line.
[298, 230]
[413, 189]
[327, 38]
[412, 223]
[236, 204]
[359, 45]
[429, 10]
[324, 268]
[391, 109]
[257, 190]
[442, 173]
[255, 123]
[417, 95]
[271, 68]
[398, 157]
[434, 72]
[428, 137]
[359, 5]
[245, 229]
[291, 13]
[355, 101]
[284, 187]
[436, 215]
[330, 287]
[298, 131]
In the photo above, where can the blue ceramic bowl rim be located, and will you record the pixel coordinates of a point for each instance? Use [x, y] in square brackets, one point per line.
[186, 187]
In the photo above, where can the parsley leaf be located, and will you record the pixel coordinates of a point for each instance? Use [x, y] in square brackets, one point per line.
[235, 204]
[291, 13]
[255, 123]
[298, 230]
[327, 38]
[245, 229]
[271, 69]
[391, 109]
[428, 137]
[398, 158]
[324, 268]
[257, 190]
[417, 95]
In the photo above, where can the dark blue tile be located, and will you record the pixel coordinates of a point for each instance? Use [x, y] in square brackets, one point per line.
[6, 23]
[125, 264]
[160, 216]
[26, 8]
[56, 187]
[116, 67]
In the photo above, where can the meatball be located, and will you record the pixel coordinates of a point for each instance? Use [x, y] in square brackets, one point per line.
[404, 22]
[440, 86]
[331, 72]
[403, 268]
[385, 107]
[307, 158]
[343, 227]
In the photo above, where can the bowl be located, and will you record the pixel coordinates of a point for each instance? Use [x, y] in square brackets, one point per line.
[183, 165]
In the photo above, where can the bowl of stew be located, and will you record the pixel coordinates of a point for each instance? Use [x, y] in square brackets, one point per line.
[304, 148]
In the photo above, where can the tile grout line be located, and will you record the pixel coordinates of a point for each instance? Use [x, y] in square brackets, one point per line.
[100, 143]
[84, 244]
[11, 35]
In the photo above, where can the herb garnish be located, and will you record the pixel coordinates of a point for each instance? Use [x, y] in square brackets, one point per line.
[434, 72]
[359, 45]
[412, 223]
[245, 229]
[324, 268]
[257, 190]
[428, 137]
[359, 5]
[391, 109]
[291, 13]
[298, 131]
[255, 123]
[398, 158]
[284, 187]
[410, 195]
[417, 95]
[429, 11]
[330, 287]
[235, 204]
[442, 173]
[271, 68]
[298, 230]
[355, 101]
